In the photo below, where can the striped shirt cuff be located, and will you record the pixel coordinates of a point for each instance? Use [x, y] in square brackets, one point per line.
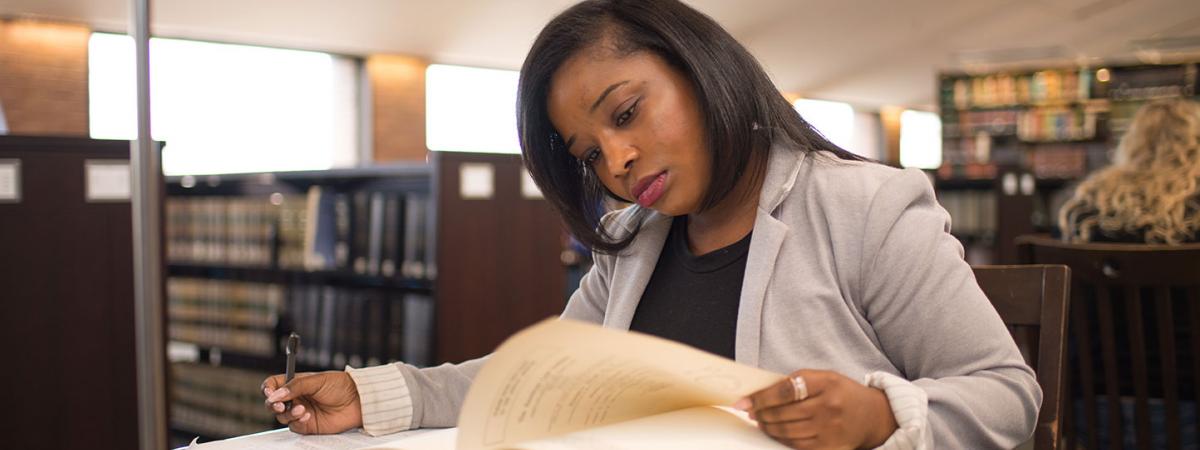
[910, 406]
[386, 405]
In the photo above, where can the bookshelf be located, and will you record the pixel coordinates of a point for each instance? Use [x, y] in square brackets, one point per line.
[369, 265]
[1015, 142]
[343, 257]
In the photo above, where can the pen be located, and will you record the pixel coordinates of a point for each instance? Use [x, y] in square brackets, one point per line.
[293, 345]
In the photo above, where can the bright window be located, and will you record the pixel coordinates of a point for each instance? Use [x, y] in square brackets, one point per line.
[469, 109]
[835, 120]
[225, 108]
[920, 139]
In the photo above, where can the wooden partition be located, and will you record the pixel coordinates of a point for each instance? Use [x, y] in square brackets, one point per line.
[66, 284]
[499, 266]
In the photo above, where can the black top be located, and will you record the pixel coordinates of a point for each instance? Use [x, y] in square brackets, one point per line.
[694, 299]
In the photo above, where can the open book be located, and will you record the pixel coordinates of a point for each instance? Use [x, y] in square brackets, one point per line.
[563, 384]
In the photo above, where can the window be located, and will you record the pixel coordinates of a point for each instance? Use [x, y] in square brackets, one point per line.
[920, 139]
[469, 109]
[835, 120]
[225, 108]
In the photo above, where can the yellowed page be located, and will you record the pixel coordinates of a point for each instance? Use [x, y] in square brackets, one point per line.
[561, 376]
[699, 428]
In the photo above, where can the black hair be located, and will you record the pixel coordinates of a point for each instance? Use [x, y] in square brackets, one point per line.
[743, 112]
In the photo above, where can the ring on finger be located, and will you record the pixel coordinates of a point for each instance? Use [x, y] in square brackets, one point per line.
[799, 388]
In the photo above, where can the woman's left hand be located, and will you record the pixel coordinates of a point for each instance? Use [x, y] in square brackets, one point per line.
[837, 412]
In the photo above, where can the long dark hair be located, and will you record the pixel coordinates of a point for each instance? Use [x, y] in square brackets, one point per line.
[743, 111]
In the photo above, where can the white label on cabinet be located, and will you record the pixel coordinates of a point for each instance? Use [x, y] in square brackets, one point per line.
[106, 181]
[1009, 183]
[529, 189]
[1028, 184]
[10, 180]
[476, 181]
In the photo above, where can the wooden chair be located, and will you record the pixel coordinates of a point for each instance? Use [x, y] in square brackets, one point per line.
[1032, 301]
[1128, 297]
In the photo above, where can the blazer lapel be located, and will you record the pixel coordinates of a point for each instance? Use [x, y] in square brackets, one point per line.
[769, 233]
[632, 272]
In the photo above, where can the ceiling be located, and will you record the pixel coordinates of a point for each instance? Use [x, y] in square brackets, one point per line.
[866, 52]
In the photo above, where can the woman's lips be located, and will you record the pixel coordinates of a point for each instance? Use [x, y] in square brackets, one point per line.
[650, 189]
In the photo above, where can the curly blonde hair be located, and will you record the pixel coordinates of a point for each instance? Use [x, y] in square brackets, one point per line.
[1152, 186]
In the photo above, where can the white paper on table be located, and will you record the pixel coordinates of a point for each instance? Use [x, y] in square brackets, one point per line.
[284, 439]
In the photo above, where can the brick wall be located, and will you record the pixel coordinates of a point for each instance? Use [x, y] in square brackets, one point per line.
[43, 77]
[398, 99]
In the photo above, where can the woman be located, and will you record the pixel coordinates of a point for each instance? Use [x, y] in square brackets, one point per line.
[1151, 193]
[753, 237]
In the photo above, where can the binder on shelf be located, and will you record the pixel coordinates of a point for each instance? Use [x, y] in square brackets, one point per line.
[392, 224]
[342, 211]
[320, 232]
[415, 234]
[361, 230]
[375, 236]
[375, 330]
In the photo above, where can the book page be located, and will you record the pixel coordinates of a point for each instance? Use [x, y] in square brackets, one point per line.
[561, 376]
[284, 439]
[699, 428]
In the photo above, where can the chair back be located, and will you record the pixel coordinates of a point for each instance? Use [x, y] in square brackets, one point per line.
[1135, 337]
[1032, 302]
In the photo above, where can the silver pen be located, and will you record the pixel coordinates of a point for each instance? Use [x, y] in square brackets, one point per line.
[293, 345]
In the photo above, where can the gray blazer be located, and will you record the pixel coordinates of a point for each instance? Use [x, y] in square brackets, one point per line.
[851, 268]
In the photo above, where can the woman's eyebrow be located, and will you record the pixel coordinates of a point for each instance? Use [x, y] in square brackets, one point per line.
[604, 94]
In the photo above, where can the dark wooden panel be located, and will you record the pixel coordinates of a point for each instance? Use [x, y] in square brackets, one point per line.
[1108, 342]
[1166, 343]
[1153, 280]
[1009, 291]
[1119, 263]
[1032, 301]
[1137, 348]
[1192, 296]
[67, 289]
[498, 259]
[1014, 217]
[1082, 325]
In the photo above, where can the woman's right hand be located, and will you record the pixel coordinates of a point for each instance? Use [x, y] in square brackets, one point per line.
[322, 402]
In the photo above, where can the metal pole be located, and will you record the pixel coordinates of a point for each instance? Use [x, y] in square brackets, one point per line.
[147, 253]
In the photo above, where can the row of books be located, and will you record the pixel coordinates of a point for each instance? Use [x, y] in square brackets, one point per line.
[972, 212]
[222, 230]
[361, 327]
[231, 315]
[1066, 161]
[373, 233]
[968, 123]
[1036, 124]
[1057, 124]
[217, 401]
[1005, 89]
[338, 326]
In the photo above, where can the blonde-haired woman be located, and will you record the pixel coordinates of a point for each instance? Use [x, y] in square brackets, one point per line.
[1151, 193]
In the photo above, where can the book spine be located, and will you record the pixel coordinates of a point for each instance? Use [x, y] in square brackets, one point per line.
[375, 238]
